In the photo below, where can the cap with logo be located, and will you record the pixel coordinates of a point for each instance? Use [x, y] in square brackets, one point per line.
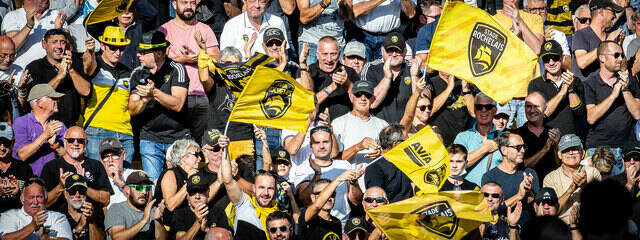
[138, 177]
[546, 194]
[362, 86]
[210, 137]
[631, 147]
[74, 181]
[550, 48]
[280, 154]
[355, 48]
[569, 141]
[197, 183]
[42, 90]
[152, 40]
[273, 34]
[110, 144]
[503, 110]
[114, 35]
[356, 223]
[597, 4]
[394, 40]
[6, 131]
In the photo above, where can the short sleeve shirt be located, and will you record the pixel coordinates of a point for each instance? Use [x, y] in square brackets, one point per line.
[318, 228]
[384, 18]
[350, 130]
[510, 182]
[27, 129]
[587, 40]
[121, 214]
[184, 219]
[560, 182]
[16, 219]
[247, 225]
[425, 36]
[22, 171]
[472, 140]
[239, 28]
[391, 109]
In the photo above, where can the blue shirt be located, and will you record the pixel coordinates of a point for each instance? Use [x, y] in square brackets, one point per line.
[472, 140]
[425, 35]
[510, 183]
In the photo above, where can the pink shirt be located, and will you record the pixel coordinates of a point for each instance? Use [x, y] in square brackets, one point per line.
[179, 36]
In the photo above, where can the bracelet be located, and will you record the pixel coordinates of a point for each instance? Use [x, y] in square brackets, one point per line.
[30, 27]
[573, 228]
[323, 5]
[54, 146]
[326, 91]
[571, 90]
[514, 227]
[466, 92]
[304, 69]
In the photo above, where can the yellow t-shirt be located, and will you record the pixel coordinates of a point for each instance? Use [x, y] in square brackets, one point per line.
[114, 114]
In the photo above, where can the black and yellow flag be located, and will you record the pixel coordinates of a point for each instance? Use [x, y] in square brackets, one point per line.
[107, 10]
[488, 55]
[423, 159]
[272, 98]
[446, 215]
[236, 75]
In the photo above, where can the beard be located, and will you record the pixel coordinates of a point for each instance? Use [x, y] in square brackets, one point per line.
[135, 203]
[76, 203]
[183, 16]
[75, 155]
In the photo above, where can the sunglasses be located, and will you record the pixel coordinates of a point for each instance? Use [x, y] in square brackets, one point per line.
[519, 147]
[332, 195]
[74, 140]
[357, 233]
[73, 191]
[5, 142]
[197, 154]
[615, 55]
[548, 202]
[376, 199]
[486, 107]
[547, 58]
[634, 156]
[281, 228]
[493, 195]
[572, 150]
[146, 188]
[115, 48]
[584, 20]
[359, 94]
[320, 128]
[422, 108]
[274, 42]
[215, 148]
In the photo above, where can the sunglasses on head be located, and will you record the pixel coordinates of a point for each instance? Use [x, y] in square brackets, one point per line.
[74, 140]
[423, 108]
[146, 188]
[634, 155]
[273, 42]
[320, 128]
[376, 199]
[281, 228]
[357, 233]
[493, 195]
[359, 94]
[547, 58]
[484, 106]
[519, 147]
[115, 48]
[584, 20]
[73, 191]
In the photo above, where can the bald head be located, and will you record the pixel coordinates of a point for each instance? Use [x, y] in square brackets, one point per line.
[75, 132]
[7, 52]
[218, 233]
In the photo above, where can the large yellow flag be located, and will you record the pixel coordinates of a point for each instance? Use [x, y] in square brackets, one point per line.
[236, 75]
[470, 44]
[272, 98]
[423, 158]
[446, 215]
[107, 10]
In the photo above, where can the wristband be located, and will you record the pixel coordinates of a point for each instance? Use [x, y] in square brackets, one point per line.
[326, 91]
[514, 227]
[54, 146]
[323, 5]
[466, 92]
[573, 228]
[203, 59]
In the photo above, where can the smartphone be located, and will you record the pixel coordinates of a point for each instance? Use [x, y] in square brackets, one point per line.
[491, 135]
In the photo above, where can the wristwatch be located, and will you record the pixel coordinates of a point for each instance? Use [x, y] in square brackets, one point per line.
[324, 5]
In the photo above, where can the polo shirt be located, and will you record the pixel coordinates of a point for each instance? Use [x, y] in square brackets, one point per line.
[565, 116]
[16, 219]
[584, 39]
[510, 182]
[338, 101]
[392, 108]
[560, 182]
[239, 27]
[384, 18]
[615, 127]
[27, 129]
[425, 35]
[535, 143]
[472, 140]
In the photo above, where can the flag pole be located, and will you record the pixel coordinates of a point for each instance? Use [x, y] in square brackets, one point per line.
[374, 160]
[226, 127]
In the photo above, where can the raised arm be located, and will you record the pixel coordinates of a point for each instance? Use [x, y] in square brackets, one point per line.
[327, 193]
[230, 184]
[363, 8]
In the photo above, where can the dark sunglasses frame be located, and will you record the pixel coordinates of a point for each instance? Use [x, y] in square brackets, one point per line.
[584, 20]
[519, 147]
[628, 157]
[493, 195]
[422, 108]
[376, 199]
[115, 48]
[359, 94]
[273, 42]
[73, 191]
[486, 107]
[74, 140]
[281, 228]
[546, 58]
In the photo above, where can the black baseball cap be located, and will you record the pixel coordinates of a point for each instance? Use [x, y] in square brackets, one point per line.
[546, 194]
[362, 86]
[110, 144]
[280, 154]
[631, 147]
[356, 223]
[273, 34]
[597, 4]
[394, 40]
[551, 47]
[210, 137]
[75, 180]
[138, 177]
[197, 183]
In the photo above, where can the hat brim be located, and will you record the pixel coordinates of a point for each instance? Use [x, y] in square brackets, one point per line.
[141, 182]
[117, 44]
[273, 38]
[631, 151]
[77, 184]
[356, 228]
[148, 47]
[360, 55]
[550, 53]
[55, 95]
[281, 159]
[197, 188]
[393, 46]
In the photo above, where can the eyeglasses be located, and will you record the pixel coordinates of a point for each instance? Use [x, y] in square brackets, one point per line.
[115, 48]
[6, 55]
[376, 199]
[332, 195]
[74, 140]
[146, 188]
[547, 58]
[320, 128]
[73, 191]
[493, 195]
[519, 147]
[540, 9]
[423, 108]
[572, 150]
[357, 233]
[584, 20]
[281, 228]
[615, 55]
[274, 42]
[631, 156]
[359, 94]
[485, 107]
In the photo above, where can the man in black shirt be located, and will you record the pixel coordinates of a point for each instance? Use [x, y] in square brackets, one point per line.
[158, 101]
[374, 197]
[13, 173]
[452, 105]
[317, 222]
[196, 220]
[562, 94]
[613, 103]
[79, 212]
[56, 172]
[63, 72]
[456, 181]
[280, 226]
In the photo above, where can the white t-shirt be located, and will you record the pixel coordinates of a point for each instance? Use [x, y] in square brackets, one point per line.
[32, 48]
[341, 208]
[118, 193]
[16, 219]
[239, 27]
[246, 212]
[303, 152]
[561, 38]
[350, 130]
[382, 19]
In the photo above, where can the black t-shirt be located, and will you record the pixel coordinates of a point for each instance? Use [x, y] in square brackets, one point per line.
[587, 40]
[184, 218]
[564, 117]
[22, 171]
[615, 127]
[466, 185]
[98, 216]
[181, 179]
[338, 101]
[158, 123]
[534, 144]
[319, 228]
[395, 183]
[392, 107]
[453, 117]
[69, 105]
[220, 199]
[94, 174]
[221, 102]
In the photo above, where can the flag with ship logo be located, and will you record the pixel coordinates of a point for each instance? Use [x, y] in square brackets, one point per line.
[489, 55]
[107, 10]
[423, 159]
[236, 75]
[272, 98]
[446, 215]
